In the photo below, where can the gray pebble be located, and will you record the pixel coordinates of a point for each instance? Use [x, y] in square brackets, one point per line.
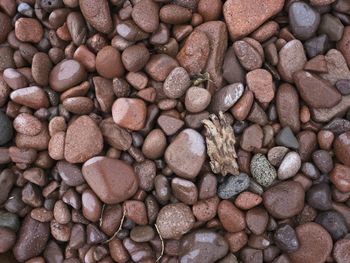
[6, 130]
[334, 223]
[226, 97]
[9, 220]
[233, 185]
[286, 138]
[25, 9]
[262, 171]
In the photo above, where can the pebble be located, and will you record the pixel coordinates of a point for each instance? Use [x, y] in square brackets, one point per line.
[317, 64]
[233, 72]
[97, 14]
[174, 14]
[129, 31]
[260, 83]
[287, 104]
[310, 170]
[247, 200]
[286, 138]
[154, 144]
[257, 220]
[205, 210]
[104, 93]
[33, 97]
[138, 251]
[337, 68]
[334, 223]
[6, 58]
[6, 130]
[116, 136]
[160, 66]
[339, 177]
[129, 113]
[203, 246]
[186, 154]
[136, 211]
[343, 86]
[175, 220]
[315, 244]
[303, 19]
[176, 83]
[331, 26]
[343, 43]
[41, 67]
[262, 171]
[67, 74]
[185, 191]
[319, 196]
[252, 138]
[29, 30]
[291, 58]
[341, 250]
[317, 46]
[145, 15]
[83, 140]
[231, 218]
[233, 185]
[9, 220]
[31, 240]
[286, 239]
[284, 200]
[289, 166]
[323, 160]
[243, 18]
[8, 239]
[193, 56]
[94, 235]
[109, 63]
[107, 171]
[226, 97]
[91, 206]
[135, 57]
[14, 79]
[207, 186]
[248, 55]
[78, 105]
[325, 139]
[236, 241]
[342, 147]
[142, 234]
[5, 27]
[197, 99]
[77, 28]
[308, 142]
[251, 255]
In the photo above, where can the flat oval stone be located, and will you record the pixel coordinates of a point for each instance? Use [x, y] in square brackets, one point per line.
[41, 67]
[83, 140]
[113, 180]
[176, 83]
[70, 173]
[67, 74]
[31, 240]
[184, 190]
[289, 167]
[33, 97]
[175, 220]
[186, 154]
[309, 84]
[226, 97]
[203, 246]
[315, 244]
[303, 20]
[284, 200]
[342, 147]
[291, 59]
[340, 177]
[262, 171]
[145, 15]
[248, 56]
[97, 14]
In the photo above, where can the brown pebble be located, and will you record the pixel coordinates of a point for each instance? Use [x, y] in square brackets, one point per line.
[174, 14]
[154, 144]
[170, 125]
[32, 97]
[205, 210]
[56, 146]
[342, 147]
[85, 57]
[242, 108]
[260, 83]
[14, 79]
[159, 66]
[27, 124]
[231, 218]
[340, 177]
[247, 200]
[29, 30]
[91, 205]
[8, 239]
[236, 241]
[210, 10]
[136, 211]
[78, 105]
[184, 190]
[197, 99]
[145, 15]
[109, 63]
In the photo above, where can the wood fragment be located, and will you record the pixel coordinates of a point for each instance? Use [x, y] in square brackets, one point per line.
[162, 242]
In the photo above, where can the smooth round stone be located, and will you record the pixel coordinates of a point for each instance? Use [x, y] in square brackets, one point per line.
[186, 154]
[197, 99]
[310, 170]
[286, 239]
[260, 83]
[67, 74]
[233, 185]
[174, 14]
[129, 113]
[112, 180]
[9, 220]
[289, 166]
[247, 200]
[291, 58]
[315, 244]
[8, 239]
[343, 86]
[83, 140]
[319, 197]
[262, 171]
[231, 218]
[27, 124]
[145, 14]
[303, 20]
[323, 160]
[31, 240]
[70, 173]
[29, 30]
[340, 177]
[154, 144]
[341, 250]
[135, 57]
[109, 63]
[252, 138]
[334, 223]
[184, 190]
[6, 130]
[175, 220]
[284, 200]
[248, 55]
[226, 97]
[91, 206]
[78, 105]
[342, 148]
[257, 220]
[205, 210]
[203, 246]
[176, 83]
[41, 67]
[14, 79]
[142, 233]
[33, 97]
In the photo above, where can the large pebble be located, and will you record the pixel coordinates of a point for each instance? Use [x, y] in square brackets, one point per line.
[284, 200]
[303, 19]
[109, 63]
[262, 171]
[341, 250]
[32, 97]
[203, 246]
[97, 14]
[67, 74]
[6, 130]
[291, 58]
[226, 97]
[31, 240]
[248, 55]
[337, 69]
[233, 185]
[319, 197]
[186, 154]
[260, 83]
[315, 244]
[343, 44]
[41, 67]
[243, 17]
[112, 180]
[145, 15]
[231, 218]
[83, 140]
[175, 220]
[194, 54]
[176, 83]
[29, 30]
[334, 223]
[289, 167]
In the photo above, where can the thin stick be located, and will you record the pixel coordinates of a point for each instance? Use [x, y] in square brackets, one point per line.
[162, 242]
[119, 229]
[103, 209]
